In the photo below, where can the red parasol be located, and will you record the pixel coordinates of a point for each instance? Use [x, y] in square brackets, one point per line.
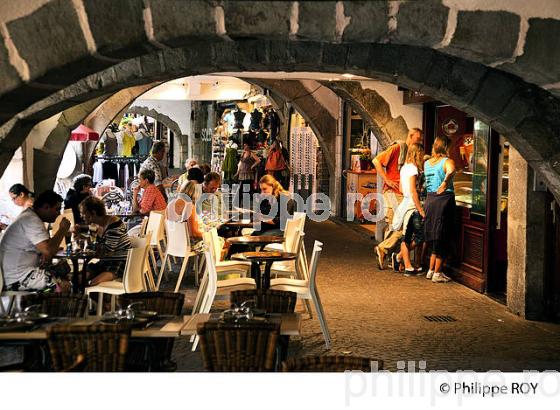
[83, 133]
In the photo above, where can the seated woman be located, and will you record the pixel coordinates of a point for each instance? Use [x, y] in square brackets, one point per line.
[271, 226]
[81, 190]
[183, 209]
[112, 237]
[21, 196]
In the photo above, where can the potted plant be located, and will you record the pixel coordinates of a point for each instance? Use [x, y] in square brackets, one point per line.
[365, 159]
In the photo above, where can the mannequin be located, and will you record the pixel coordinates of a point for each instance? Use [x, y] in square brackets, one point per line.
[239, 117]
[256, 118]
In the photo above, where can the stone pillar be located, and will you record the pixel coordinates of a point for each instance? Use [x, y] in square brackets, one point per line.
[526, 241]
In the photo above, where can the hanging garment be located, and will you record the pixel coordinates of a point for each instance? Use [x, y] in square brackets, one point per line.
[144, 145]
[97, 172]
[128, 143]
[111, 146]
[274, 123]
[229, 166]
[110, 170]
[245, 170]
[275, 161]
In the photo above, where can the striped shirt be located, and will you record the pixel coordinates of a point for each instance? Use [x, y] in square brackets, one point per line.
[115, 238]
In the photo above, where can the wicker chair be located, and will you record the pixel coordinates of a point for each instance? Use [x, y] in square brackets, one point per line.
[329, 364]
[104, 347]
[238, 347]
[57, 304]
[155, 352]
[272, 301]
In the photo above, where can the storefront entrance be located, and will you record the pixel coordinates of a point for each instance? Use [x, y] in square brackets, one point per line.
[481, 187]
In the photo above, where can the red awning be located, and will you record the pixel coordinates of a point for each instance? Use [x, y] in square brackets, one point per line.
[83, 133]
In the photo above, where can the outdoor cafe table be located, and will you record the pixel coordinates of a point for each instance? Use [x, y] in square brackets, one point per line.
[169, 326]
[79, 284]
[255, 241]
[266, 257]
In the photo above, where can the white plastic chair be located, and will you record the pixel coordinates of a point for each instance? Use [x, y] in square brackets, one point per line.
[133, 279]
[225, 267]
[149, 282]
[307, 289]
[156, 227]
[211, 288]
[298, 268]
[179, 245]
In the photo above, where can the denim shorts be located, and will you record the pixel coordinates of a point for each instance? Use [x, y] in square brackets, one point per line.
[414, 229]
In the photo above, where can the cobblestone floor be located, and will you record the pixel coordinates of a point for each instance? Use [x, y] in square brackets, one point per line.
[380, 314]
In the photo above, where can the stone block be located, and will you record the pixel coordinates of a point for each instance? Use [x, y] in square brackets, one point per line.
[334, 56]
[176, 22]
[541, 55]
[253, 54]
[42, 39]
[452, 80]
[485, 36]
[198, 57]
[249, 19]
[151, 65]
[358, 56]
[384, 60]
[9, 75]
[317, 20]
[421, 23]
[225, 55]
[174, 60]
[368, 21]
[279, 53]
[415, 65]
[117, 27]
[307, 55]
[495, 92]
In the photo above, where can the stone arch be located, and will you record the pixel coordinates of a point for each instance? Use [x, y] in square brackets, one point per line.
[463, 57]
[373, 108]
[164, 119]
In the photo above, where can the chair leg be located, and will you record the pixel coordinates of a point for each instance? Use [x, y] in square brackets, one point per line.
[150, 279]
[100, 304]
[322, 319]
[113, 303]
[181, 273]
[308, 308]
[160, 251]
[196, 271]
[153, 259]
[161, 272]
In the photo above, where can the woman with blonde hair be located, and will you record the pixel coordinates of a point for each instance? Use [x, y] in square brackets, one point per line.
[410, 214]
[440, 207]
[183, 208]
[273, 192]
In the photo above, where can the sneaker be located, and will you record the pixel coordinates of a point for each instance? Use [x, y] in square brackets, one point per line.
[395, 262]
[429, 274]
[440, 277]
[380, 256]
[410, 272]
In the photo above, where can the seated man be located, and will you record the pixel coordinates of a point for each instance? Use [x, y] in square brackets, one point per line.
[152, 199]
[26, 248]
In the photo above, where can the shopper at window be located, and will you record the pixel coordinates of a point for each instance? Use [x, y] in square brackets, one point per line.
[387, 165]
[439, 225]
[410, 214]
[152, 163]
[152, 199]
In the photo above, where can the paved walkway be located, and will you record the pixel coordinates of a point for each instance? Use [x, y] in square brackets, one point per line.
[380, 314]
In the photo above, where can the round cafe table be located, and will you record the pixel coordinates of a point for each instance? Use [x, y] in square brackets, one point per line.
[255, 241]
[266, 257]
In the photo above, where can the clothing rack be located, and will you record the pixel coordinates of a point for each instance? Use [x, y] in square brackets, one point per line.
[136, 158]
